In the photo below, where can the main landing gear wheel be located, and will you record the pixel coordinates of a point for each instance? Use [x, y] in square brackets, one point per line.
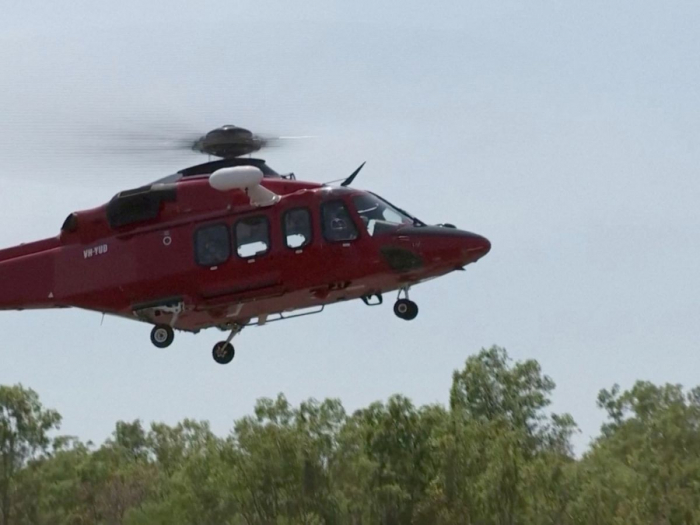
[405, 309]
[223, 352]
[162, 336]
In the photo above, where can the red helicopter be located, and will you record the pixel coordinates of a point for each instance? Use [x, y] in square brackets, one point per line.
[229, 244]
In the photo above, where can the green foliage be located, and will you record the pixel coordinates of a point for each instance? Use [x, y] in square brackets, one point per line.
[648, 457]
[24, 428]
[489, 389]
[495, 456]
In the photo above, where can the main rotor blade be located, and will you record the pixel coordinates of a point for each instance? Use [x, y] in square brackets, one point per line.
[128, 148]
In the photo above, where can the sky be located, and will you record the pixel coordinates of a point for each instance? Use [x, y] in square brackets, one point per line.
[567, 133]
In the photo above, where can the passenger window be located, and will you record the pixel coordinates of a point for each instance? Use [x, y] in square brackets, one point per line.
[337, 223]
[212, 245]
[297, 227]
[252, 236]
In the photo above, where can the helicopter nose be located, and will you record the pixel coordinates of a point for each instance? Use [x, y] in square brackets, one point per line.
[447, 244]
[476, 245]
[471, 246]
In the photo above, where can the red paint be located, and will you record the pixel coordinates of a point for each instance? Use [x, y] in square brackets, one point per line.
[152, 261]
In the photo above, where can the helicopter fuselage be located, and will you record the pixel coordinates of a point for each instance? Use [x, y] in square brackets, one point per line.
[190, 257]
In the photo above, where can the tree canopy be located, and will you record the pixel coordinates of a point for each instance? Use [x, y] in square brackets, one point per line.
[495, 455]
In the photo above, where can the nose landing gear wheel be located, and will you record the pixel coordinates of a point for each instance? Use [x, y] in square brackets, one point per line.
[223, 352]
[162, 336]
[405, 309]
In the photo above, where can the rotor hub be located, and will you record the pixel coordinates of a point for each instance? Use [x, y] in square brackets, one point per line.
[229, 142]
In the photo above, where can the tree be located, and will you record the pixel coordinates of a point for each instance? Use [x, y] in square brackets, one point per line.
[645, 467]
[495, 457]
[281, 459]
[489, 388]
[24, 433]
[391, 458]
[502, 450]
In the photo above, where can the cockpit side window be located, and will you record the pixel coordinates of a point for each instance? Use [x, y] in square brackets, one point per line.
[212, 245]
[252, 236]
[296, 225]
[337, 223]
[378, 215]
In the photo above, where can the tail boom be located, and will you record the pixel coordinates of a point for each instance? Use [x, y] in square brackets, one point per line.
[27, 275]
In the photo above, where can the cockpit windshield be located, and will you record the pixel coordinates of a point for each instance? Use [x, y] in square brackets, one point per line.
[378, 215]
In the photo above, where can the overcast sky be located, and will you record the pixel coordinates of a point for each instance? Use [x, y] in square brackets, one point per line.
[565, 132]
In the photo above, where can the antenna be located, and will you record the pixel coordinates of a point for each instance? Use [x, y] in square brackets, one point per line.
[351, 178]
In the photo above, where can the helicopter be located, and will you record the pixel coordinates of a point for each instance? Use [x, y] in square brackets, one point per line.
[231, 243]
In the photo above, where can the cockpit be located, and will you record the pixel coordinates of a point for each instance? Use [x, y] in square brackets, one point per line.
[379, 216]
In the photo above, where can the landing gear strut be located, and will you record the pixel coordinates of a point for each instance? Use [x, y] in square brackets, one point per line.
[162, 336]
[405, 308]
[224, 351]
